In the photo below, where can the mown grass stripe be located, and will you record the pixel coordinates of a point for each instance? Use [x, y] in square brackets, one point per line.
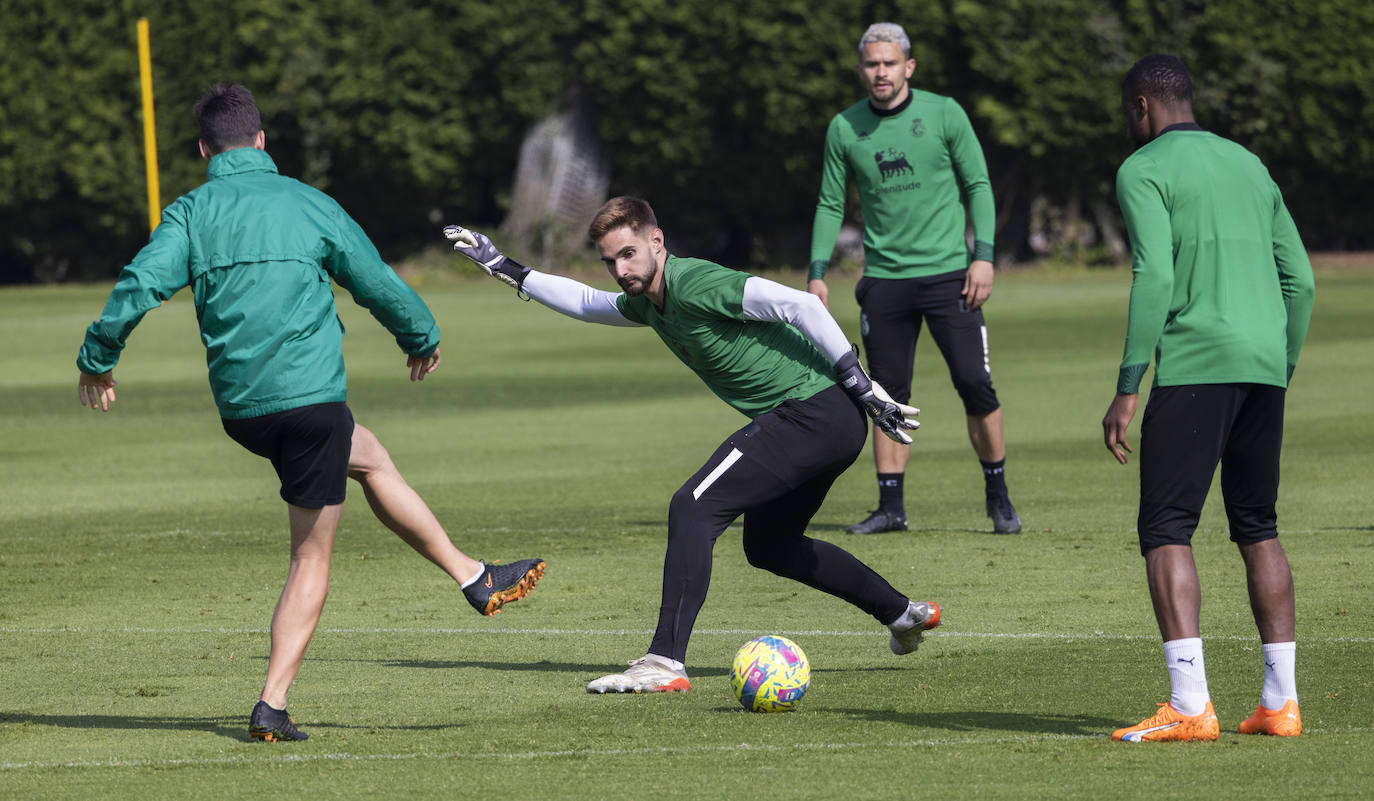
[935, 742]
[561, 632]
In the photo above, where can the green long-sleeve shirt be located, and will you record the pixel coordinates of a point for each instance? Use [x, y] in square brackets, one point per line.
[910, 164]
[754, 366]
[1222, 289]
[258, 251]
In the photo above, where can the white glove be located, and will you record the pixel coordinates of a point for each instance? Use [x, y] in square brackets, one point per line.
[892, 418]
[895, 419]
[480, 249]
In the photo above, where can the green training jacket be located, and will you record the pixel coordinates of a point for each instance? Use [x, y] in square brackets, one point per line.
[258, 250]
[910, 164]
[1221, 287]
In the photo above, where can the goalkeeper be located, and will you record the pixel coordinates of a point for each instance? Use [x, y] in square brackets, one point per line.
[778, 357]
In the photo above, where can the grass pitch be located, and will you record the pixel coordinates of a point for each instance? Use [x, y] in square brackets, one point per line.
[141, 552]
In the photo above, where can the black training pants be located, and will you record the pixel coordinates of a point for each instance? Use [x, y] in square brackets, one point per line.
[776, 472]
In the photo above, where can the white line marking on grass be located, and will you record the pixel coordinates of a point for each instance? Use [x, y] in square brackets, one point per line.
[934, 742]
[560, 632]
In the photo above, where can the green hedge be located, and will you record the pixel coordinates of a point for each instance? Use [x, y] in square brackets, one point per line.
[412, 114]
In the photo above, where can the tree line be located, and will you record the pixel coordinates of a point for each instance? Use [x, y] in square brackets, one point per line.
[412, 114]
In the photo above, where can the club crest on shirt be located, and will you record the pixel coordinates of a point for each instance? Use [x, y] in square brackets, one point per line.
[892, 163]
[918, 127]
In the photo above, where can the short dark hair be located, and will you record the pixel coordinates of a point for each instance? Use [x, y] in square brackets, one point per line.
[620, 211]
[1161, 77]
[228, 117]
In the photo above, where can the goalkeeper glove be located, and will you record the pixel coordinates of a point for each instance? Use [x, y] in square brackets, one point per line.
[480, 249]
[892, 418]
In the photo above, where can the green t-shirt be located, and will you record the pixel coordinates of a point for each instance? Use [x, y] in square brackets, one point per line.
[910, 164]
[1222, 288]
[754, 366]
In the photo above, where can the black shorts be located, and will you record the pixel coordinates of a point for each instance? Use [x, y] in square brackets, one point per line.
[892, 310]
[309, 447]
[1184, 433]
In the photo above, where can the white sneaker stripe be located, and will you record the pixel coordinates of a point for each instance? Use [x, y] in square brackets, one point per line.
[1136, 736]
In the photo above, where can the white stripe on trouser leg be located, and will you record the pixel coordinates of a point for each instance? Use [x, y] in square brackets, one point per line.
[717, 473]
[986, 365]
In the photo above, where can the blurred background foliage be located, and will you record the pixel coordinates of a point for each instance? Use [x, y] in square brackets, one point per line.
[412, 114]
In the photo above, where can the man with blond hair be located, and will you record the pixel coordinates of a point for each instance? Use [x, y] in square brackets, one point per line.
[912, 153]
[775, 355]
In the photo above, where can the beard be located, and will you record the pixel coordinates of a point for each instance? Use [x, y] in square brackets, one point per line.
[883, 94]
[635, 286]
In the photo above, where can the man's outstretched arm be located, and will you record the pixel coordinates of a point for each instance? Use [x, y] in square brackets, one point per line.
[563, 295]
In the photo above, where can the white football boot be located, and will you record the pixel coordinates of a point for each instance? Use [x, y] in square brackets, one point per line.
[647, 674]
[907, 630]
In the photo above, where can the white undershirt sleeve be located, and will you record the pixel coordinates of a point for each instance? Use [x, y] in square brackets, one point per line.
[769, 300]
[575, 299]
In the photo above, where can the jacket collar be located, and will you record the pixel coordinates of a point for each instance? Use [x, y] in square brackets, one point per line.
[240, 160]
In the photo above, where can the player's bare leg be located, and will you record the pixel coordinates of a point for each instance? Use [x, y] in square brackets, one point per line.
[1270, 582]
[889, 456]
[302, 599]
[986, 435]
[1175, 591]
[1176, 595]
[401, 509]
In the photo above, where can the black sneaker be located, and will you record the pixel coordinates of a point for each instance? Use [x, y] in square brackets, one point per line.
[500, 584]
[878, 521]
[1003, 514]
[273, 725]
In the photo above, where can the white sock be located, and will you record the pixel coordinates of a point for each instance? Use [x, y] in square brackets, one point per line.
[671, 664]
[1187, 676]
[473, 580]
[1280, 679]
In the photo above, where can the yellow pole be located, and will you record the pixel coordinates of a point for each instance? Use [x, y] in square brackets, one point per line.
[145, 74]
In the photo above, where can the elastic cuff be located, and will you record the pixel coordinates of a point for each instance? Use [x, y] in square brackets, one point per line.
[852, 378]
[1128, 380]
[514, 269]
[816, 270]
[982, 251]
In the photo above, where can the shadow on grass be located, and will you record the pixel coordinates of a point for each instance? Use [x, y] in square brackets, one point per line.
[538, 667]
[909, 530]
[832, 527]
[235, 728]
[991, 721]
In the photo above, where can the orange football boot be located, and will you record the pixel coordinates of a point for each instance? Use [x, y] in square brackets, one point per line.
[1286, 721]
[1168, 725]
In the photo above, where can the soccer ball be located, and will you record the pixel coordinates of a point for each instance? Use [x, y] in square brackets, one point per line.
[770, 674]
